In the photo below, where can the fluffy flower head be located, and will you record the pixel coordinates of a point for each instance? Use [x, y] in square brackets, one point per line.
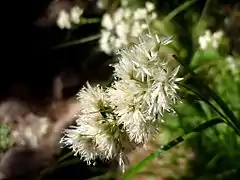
[97, 134]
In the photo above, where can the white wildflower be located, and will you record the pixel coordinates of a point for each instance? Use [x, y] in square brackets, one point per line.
[142, 63]
[209, 40]
[102, 131]
[122, 30]
[105, 41]
[127, 98]
[92, 99]
[141, 59]
[123, 24]
[107, 22]
[118, 15]
[66, 19]
[136, 28]
[150, 6]
[217, 35]
[146, 89]
[75, 14]
[96, 134]
[232, 65]
[163, 92]
[140, 14]
[63, 20]
[130, 112]
[80, 144]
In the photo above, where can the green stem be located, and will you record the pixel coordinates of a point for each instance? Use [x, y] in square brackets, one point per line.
[89, 21]
[131, 172]
[65, 156]
[81, 41]
[176, 11]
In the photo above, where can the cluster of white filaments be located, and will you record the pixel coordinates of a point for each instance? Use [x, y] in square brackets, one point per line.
[146, 89]
[97, 134]
[116, 120]
[117, 28]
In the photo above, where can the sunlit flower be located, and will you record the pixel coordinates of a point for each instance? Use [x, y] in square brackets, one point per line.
[142, 63]
[233, 66]
[127, 98]
[146, 87]
[75, 14]
[93, 99]
[116, 120]
[209, 40]
[163, 92]
[123, 24]
[97, 133]
[63, 20]
[66, 19]
[141, 59]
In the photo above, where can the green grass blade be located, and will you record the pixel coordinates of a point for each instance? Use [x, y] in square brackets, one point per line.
[203, 98]
[134, 170]
[204, 12]
[224, 107]
[179, 9]
[227, 111]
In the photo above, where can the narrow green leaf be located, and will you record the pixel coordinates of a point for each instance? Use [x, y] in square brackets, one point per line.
[179, 9]
[204, 12]
[232, 120]
[134, 170]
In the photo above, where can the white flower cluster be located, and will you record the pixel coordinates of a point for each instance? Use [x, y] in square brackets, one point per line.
[233, 65]
[146, 89]
[97, 133]
[209, 40]
[124, 23]
[126, 115]
[65, 19]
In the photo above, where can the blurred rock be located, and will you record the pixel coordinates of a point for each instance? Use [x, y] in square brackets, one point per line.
[37, 133]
